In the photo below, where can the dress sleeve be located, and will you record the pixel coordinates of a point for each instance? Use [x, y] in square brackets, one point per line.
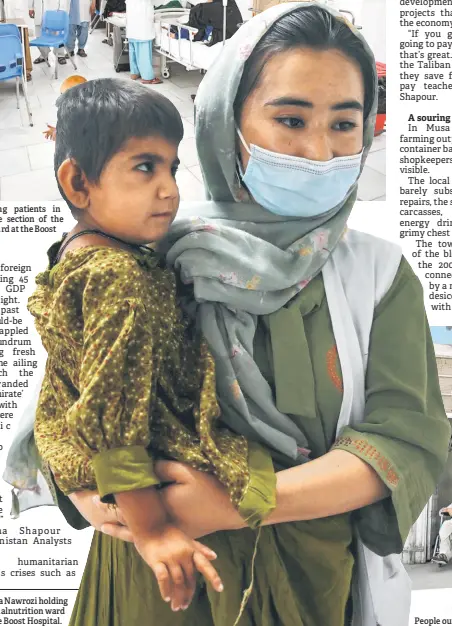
[71, 469]
[405, 432]
[110, 422]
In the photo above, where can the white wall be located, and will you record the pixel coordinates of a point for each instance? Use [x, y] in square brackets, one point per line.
[19, 9]
[373, 21]
[371, 15]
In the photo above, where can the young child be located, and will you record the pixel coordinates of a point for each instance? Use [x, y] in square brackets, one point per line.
[50, 133]
[128, 379]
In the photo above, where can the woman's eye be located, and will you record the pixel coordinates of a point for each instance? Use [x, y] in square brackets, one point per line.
[291, 122]
[345, 126]
[147, 167]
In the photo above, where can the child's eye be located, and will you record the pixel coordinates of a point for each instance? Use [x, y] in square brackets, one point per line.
[147, 167]
[291, 122]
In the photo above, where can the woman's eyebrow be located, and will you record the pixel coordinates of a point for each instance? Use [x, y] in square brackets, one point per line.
[348, 104]
[289, 101]
[298, 102]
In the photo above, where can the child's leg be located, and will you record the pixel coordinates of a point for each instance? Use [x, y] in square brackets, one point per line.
[72, 37]
[83, 30]
[144, 57]
[133, 59]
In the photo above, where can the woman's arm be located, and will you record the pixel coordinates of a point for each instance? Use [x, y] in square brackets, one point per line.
[398, 450]
[313, 490]
[310, 491]
[335, 483]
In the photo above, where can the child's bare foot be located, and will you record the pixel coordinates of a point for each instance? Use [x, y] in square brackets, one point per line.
[135, 76]
[154, 81]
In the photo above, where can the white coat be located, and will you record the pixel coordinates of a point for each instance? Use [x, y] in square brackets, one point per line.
[85, 6]
[41, 6]
[140, 20]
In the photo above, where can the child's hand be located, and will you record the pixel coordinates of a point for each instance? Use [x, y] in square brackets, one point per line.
[174, 557]
[50, 133]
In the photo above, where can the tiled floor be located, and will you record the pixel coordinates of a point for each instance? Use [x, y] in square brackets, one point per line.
[26, 158]
[430, 576]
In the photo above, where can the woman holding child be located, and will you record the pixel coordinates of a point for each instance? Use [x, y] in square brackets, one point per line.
[321, 346]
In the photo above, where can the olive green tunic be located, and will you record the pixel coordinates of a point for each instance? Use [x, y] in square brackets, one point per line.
[303, 569]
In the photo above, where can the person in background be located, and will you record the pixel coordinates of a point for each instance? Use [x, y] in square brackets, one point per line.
[140, 32]
[72, 81]
[80, 15]
[36, 10]
[207, 17]
[445, 538]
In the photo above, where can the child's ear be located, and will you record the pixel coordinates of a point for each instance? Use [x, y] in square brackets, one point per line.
[74, 184]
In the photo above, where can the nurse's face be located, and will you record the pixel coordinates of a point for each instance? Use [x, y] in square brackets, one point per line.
[308, 103]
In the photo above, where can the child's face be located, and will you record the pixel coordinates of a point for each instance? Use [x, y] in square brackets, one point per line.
[136, 197]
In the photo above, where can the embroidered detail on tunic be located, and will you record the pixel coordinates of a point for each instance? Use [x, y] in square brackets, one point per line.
[372, 453]
[331, 361]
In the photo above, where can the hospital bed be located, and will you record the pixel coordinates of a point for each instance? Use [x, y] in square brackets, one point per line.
[174, 39]
[193, 55]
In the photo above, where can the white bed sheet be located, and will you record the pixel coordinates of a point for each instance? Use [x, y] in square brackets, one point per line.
[202, 56]
[117, 19]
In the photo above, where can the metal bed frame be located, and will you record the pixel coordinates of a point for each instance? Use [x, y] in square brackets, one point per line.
[166, 54]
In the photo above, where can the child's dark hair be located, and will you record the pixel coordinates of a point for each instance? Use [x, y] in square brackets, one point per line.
[97, 118]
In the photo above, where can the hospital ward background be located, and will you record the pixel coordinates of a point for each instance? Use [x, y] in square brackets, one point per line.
[26, 156]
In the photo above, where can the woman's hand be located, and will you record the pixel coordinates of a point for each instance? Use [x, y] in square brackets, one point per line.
[89, 505]
[196, 502]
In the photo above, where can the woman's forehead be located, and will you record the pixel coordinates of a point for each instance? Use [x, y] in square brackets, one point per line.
[305, 72]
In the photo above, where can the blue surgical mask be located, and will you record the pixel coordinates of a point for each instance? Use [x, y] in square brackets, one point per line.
[297, 187]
